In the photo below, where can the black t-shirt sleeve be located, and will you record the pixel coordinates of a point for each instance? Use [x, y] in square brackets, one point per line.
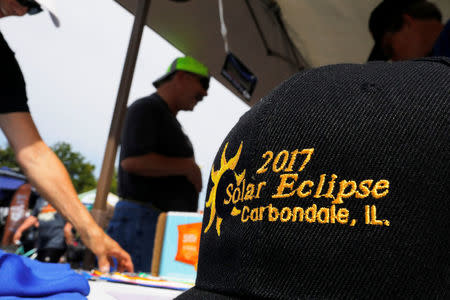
[13, 96]
[140, 132]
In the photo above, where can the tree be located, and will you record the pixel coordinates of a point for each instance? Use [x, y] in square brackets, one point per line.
[7, 158]
[80, 171]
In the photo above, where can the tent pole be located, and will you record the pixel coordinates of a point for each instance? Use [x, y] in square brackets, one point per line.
[104, 182]
[99, 212]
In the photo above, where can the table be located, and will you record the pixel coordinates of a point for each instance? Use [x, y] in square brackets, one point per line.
[105, 290]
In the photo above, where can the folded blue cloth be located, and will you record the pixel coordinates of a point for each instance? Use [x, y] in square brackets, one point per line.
[23, 278]
[65, 296]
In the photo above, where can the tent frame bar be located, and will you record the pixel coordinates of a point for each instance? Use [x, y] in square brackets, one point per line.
[104, 182]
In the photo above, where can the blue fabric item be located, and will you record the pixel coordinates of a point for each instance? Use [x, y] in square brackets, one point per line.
[10, 183]
[23, 277]
[442, 45]
[65, 296]
[133, 227]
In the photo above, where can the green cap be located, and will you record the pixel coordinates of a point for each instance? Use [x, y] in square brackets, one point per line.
[188, 64]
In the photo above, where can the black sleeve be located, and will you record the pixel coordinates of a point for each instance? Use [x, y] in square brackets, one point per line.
[40, 203]
[140, 132]
[13, 96]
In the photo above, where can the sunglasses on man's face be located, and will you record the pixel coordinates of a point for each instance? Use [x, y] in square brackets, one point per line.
[204, 81]
[33, 6]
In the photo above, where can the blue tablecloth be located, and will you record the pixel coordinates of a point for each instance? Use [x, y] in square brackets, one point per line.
[23, 278]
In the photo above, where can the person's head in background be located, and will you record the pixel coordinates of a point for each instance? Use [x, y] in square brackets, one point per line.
[184, 84]
[404, 29]
[32, 7]
[16, 7]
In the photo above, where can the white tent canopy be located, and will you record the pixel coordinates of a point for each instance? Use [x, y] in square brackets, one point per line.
[88, 198]
[273, 38]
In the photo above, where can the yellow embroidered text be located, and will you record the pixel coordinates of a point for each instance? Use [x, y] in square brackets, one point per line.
[337, 191]
[312, 214]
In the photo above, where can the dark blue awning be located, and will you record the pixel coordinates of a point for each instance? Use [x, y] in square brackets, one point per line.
[10, 180]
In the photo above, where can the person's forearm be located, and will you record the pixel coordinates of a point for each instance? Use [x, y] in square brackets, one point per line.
[46, 172]
[30, 221]
[154, 164]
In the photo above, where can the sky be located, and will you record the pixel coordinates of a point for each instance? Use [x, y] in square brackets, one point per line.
[73, 73]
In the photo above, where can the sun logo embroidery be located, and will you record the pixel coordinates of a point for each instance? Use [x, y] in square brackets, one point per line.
[215, 178]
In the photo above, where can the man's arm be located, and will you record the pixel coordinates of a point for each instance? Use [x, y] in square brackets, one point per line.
[30, 221]
[68, 236]
[157, 165]
[47, 174]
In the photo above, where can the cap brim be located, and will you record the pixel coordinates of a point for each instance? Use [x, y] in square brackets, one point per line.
[54, 18]
[161, 79]
[196, 293]
[377, 53]
[49, 7]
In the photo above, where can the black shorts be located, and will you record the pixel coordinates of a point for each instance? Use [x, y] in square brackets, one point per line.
[51, 255]
[13, 97]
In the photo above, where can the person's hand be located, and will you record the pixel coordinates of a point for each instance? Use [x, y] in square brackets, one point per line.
[68, 235]
[11, 8]
[29, 222]
[16, 237]
[194, 175]
[105, 249]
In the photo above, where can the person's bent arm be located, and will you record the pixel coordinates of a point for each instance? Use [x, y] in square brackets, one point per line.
[157, 165]
[68, 235]
[30, 221]
[47, 174]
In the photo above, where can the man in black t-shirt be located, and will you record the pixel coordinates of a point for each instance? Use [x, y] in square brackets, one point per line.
[157, 169]
[41, 166]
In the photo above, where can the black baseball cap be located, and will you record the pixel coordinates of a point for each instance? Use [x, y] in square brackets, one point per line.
[334, 186]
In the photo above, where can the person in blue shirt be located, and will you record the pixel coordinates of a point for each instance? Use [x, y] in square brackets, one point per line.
[408, 29]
